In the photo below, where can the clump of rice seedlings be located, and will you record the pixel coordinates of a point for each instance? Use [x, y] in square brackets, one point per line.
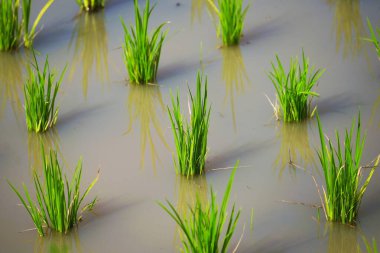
[191, 138]
[204, 225]
[10, 26]
[58, 200]
[344, 174]
[294, 89]
[231, 20]
[375, 39]
[91, 5]
[40, 91]
[13, 28]
[141, 51]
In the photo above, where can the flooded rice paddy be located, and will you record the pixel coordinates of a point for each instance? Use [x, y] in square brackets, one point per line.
[125, 132]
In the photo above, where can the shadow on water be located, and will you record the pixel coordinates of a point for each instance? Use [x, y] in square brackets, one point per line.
[234, 75]
[50, 140]
[59, 243]
[197, 8]
[336, 104]
[348, 26]
[11, 82]
[229, 156]
[91, 48]
[375, 110]
[188, 190]
[295, 147]
[143, 104]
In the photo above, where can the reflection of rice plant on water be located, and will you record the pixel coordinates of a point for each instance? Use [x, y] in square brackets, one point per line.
[204, 228]
[234, 75]
[197, 8]
[91, 48]
[343, 174]
[11, 81]
[295, 146]
[58, 200]
[188, 190]
[143, 104]
[342, 238]
[58, 243]
[348, 23]
[49, 140]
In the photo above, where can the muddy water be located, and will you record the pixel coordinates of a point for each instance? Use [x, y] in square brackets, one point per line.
[124, 130]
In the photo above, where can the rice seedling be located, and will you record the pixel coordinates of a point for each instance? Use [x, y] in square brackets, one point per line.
[203, 228]
[56, 207]
[370, 248]
[231, 20]
[13, 28]
[40, 91]
[91, 5]
[375, 39]
[343, 174]
[294, 89]
[10, 26]
[191, 138]
[141, 51]
[30, 34]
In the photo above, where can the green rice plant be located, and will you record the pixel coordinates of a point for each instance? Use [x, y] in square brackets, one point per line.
[10, 26]
[294, 89]
[58, 200]
[40, 91]
[141, 51]
[13, 28]
[204, 226]
[91, 5]
[375, 39]
[343, 174]
[370, 248]
[29, 34]
[191, 138]
[231, 20]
